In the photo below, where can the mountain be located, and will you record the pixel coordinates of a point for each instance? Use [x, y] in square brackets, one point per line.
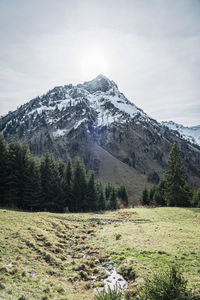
[191, 134]
[95, 121]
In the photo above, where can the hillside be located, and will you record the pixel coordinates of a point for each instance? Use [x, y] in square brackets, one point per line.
[64, 256]
[72, 121]
[113, 170]
[191, 134]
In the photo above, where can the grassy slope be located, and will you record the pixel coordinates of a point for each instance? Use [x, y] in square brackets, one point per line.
[117, 172]
[40, 253]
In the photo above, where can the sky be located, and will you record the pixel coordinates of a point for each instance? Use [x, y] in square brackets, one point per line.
[151, 49]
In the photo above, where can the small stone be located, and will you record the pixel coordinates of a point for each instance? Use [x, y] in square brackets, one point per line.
[82, 267]
[2, 286]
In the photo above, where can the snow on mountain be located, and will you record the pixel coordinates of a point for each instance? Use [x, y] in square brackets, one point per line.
[96, 122]
[67, 107]
[191, 134]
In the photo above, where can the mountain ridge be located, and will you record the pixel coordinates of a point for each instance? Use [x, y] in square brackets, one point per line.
[190, 133]
[69, 120]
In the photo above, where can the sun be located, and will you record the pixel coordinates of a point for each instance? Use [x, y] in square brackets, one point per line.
[93, 62]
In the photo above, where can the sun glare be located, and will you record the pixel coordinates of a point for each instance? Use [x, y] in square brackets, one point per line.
[93, 62]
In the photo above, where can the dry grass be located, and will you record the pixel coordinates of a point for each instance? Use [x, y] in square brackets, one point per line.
[55, 256]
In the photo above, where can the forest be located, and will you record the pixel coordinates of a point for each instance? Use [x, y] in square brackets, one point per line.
[33, 184]
[172, 189]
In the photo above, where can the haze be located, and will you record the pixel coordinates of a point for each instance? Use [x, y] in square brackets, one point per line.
[149, 48]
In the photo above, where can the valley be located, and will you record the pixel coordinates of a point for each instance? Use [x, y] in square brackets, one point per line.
[64, 256]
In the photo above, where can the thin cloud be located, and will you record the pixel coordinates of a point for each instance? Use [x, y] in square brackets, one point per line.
[151, 47]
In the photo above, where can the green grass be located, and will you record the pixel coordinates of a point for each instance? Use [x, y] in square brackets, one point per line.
[169, 235]
[41, 254]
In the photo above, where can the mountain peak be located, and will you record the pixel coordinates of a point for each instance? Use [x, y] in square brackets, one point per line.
[100, 83]
[191, 134]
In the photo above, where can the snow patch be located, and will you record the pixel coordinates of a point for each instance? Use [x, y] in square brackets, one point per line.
[191, 134]
[59, 132]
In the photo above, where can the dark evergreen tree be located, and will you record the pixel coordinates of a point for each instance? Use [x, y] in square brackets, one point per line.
[32, 186]
[159, 194]
[195, 202]
[101, 202]
[68, 186]
[69, 172]
[13, 192]
[91, 196]
[79, 187]
[145, 197]
[3, 169]
[122, 195]
[113, 199]
[151, 193]
[50, 181]
[61, 168]
[108, 190]
[176, 190]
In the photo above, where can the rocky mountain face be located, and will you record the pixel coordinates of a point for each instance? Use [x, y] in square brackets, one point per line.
[191, 134]
[95, 121]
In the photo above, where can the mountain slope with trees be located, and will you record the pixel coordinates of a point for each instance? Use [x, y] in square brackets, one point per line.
[51, 185]
[172, 189]
[71, 121]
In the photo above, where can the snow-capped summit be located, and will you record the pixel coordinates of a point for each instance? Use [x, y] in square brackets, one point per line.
[100, 83]
[65, 108]
[96, 122]
[191, 134]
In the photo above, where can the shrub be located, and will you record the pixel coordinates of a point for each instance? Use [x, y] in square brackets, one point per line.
[167, 286]
[109, 295]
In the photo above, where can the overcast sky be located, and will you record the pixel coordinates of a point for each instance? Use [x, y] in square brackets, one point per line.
[150, 48]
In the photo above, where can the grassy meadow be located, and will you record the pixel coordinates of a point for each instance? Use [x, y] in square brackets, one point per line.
[59, 256]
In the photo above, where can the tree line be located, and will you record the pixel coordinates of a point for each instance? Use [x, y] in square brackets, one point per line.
[31, 184]
[172, 190]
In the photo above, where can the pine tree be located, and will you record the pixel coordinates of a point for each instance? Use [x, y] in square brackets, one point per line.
[79, 188]
[69, 172]
[108, 191]
[68, 186]
[91, 197]
[15, 176]
[113, 199]
[145, 197]
[122, 195]
[101, 201]
[176, 190]
[195, 202]
[151, 193]
[159, 194]
[3, 169]
[50, 184]
[32, 186]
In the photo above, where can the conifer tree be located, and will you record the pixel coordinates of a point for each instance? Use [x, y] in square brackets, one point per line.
[145, 197]
[50, 184]
[68, 186]
[122, 194]
[91, 197]
[3, 169]
[79, 188]
[176, 190]
[195, 202]
[108, 190]
[151, 193]
[101, 201]
[159, 194]
[14, 178]
[32, 186]
[113, 199]
[69, 172]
